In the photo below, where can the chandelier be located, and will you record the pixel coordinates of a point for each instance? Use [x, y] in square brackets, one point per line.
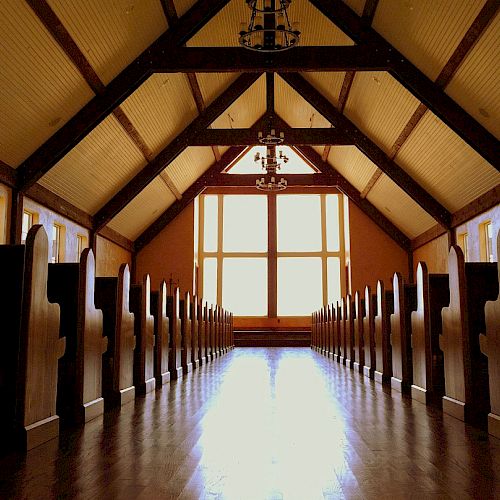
[270, 165]
[269, 29]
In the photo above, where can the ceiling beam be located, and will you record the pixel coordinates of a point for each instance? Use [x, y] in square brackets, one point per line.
[8, 175]
[239, 59]
[369, 148]
[293, 136]
[188, 196]
[94, 112]
[172, 150]
[328, 179]
[414, 80]
[270, 93]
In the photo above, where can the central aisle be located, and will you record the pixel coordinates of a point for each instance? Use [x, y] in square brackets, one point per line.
[263, 423]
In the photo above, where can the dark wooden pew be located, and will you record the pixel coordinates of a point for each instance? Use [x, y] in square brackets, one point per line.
[329, 321]
[359, 344]
[337, 333]
[217, 319]
[140, 299]
[185, 313]
[161, 331]
[322, 330]
[175, 347]
[206, 334]
[405, 301]
[202, 332]
[490, 346]
[195, 342]
[433, 293]
[31, 344]
[342, 326]
[112, 297]
[370, 306]
[211, 333]
[231, 330]
[465, 367]
[383, 353]
[79, 388]
[349, 332]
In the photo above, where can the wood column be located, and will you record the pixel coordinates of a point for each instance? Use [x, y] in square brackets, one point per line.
[272, 263]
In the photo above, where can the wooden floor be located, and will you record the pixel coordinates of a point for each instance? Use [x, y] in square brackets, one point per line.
[263, 423]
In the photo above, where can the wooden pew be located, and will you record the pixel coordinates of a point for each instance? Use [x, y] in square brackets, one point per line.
[383, 353]
[31, 344]
[405, 301]
[175, 347]
[185, 313]
[329, 328]
[112, 297]
[206, 335]
[359, 344]
[349, 332]
[231, 330]
[341, 322]
[218, 332]
[140, 300]
[465, 367]
[322, 330]
[202, 331]
[433, 293]
[79, 388]
[338, 334]
[211, 333]
[370, 306]
[195, 343]
[314, 330]
[161, 332]
[490, 346]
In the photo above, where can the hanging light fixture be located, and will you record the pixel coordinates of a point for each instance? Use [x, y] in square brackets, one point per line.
[270, 165]
[269, 29]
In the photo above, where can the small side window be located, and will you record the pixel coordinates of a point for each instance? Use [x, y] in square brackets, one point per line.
[463, 243]
[486, 243]
[81, 244]
[57, 243]
[27, 224]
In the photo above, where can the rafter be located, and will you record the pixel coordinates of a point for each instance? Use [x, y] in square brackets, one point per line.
[414, 80]
[369, 148]
[76, 129]
[172, 150]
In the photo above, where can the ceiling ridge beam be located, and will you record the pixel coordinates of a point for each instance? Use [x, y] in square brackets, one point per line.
[189, 195]
[123, 85]
[369, 148]
[172, 150]
[414, 80]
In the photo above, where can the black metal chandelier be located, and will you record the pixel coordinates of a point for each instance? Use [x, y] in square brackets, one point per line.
[269, 29]
[270, 165]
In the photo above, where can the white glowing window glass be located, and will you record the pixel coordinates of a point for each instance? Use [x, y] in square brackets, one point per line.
[245, 223]
[244, 286]
[210, 223]
[299, 223]
[299, 285]
[488, 229]
[27, 224]
[332, 223]
[247, 164]
[333, 279]
[210, 280]
[56, 244]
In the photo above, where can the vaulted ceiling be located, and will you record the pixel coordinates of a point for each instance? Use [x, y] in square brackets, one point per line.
[126, 110]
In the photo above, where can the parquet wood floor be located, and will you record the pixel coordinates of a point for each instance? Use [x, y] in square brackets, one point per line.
[263, 423]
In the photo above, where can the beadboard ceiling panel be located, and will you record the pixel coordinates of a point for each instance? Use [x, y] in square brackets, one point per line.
[111, 34]
[328, 83]
[247, 109]
[400, 208]
[182, 6]
[143, 210]
[294, 109]
[40, 89]
[91, 173]
[476, 84]
[222, 30]
[356, 5]
[444, 165]
[213, 84]
[426, 31]
[380, 107]
[161, 108]
[189, 165]
[352, 164]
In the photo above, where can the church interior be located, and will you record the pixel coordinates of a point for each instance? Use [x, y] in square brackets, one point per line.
[249, 249]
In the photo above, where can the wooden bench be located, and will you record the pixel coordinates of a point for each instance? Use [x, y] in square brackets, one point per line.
[341, 323]
[185, 313]
[383, 353]
[79, 388]
[370, 306]
[359, 344]
[140, 300]
[465, 367]
[195, 342]
[490, 346]
[330, 318]
[206, 335]
[202, 331]
[337, 333]
[433, 293]
[31, 344]
[349, 332]
[211, 333]
[161, 332]
[112, 297]
[175, 347]
[405, 301]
